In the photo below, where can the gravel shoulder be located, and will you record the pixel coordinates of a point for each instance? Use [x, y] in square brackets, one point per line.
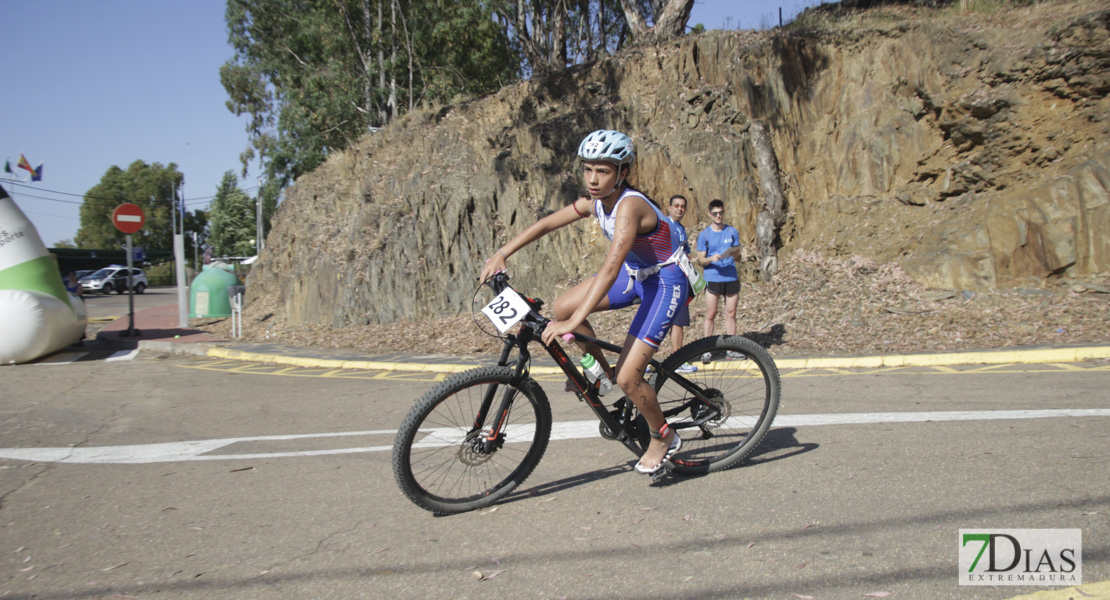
[816, 306]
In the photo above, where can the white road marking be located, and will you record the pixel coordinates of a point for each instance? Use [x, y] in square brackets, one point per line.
[123, 355]
[201, 449]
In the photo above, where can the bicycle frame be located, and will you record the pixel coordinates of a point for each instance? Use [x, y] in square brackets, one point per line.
[531, 330]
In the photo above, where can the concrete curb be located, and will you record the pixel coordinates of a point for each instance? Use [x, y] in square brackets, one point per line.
[985, 357]
[994, 357]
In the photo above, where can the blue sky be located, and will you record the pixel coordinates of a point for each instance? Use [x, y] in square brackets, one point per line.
[92, 84]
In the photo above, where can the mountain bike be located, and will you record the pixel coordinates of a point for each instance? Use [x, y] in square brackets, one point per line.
[475, 437]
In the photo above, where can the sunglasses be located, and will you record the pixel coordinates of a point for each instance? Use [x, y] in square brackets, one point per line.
[716, 213]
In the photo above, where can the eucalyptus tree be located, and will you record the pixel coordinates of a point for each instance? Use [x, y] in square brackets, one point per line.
[554, 34]
[313, 76]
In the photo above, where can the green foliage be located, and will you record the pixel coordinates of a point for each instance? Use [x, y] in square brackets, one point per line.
[233, 221]
[196, 232]
[315, 75]
[550, 35]
[162, 275]
[152, 188]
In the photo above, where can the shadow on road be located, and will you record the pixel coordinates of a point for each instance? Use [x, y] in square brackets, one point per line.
[779, 444]
[552, 487]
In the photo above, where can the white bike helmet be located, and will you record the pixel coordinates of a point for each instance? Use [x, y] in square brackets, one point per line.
[608, 146]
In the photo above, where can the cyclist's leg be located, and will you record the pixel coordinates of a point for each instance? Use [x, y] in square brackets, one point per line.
[566, 304]
[661, 296]
[617, 297]
[630, 378]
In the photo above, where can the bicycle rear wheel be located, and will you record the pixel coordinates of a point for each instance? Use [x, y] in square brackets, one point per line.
[744, 394]
[443, 465]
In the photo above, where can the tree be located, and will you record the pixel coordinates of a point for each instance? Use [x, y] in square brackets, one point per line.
[668, 18]
[152, 188]
[232, 223]
[196, 232]
[316, 75]
[553, 34]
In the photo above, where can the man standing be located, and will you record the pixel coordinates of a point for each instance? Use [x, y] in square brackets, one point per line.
[677, 210]
[718, 247]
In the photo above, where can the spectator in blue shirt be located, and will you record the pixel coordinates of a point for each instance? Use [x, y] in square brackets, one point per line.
[718, 247]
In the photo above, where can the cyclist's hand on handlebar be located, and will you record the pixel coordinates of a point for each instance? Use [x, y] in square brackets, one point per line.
[557, 329]
[494, 264]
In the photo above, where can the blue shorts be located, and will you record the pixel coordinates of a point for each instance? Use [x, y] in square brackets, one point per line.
[661, 296]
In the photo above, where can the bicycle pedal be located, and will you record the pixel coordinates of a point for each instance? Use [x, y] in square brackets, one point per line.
[658, 476]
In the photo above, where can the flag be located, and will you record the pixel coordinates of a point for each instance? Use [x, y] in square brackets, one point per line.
[36, 175]
[24, 164]
[8, 165]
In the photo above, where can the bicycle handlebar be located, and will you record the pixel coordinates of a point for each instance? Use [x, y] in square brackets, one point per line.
[499, 282]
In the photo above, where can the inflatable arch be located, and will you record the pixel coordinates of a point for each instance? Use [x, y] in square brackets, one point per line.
[37, 315]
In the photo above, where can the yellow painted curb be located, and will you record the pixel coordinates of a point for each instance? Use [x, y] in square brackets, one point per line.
[365, 365]
[1094, 591]
[995, 357]
[1031, 356]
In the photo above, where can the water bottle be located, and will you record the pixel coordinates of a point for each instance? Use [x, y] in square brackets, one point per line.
[594, 373]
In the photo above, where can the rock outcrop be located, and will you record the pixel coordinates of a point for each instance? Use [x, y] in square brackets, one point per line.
[973, 151]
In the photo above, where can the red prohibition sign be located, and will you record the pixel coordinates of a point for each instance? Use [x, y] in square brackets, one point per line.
[128, 218]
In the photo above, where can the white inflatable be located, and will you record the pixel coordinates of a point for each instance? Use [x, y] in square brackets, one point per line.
[35, 324]
[37, 315]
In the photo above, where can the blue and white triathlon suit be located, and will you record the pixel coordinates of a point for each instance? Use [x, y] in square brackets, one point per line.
[660, 293]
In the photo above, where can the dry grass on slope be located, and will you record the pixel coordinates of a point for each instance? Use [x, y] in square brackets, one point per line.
[815, 306]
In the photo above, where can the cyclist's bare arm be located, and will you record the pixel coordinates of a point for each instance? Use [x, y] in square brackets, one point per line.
[579, 209]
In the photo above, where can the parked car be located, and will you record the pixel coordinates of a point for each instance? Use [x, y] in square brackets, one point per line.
[82, 273]
[114, 278]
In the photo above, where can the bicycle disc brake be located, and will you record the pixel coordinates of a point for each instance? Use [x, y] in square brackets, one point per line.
[713, 414]
[473, 450]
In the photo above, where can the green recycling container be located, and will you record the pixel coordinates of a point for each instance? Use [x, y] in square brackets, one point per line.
[208, 296]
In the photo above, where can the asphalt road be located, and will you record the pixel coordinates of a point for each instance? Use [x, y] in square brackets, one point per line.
[296, 498]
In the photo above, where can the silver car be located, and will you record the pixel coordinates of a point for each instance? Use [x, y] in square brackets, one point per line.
[113, 278]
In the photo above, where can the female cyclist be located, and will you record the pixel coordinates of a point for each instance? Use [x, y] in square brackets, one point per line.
[641, 263]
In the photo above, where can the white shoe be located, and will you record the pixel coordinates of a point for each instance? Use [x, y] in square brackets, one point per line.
[676, 445]
[686, 368]
[735, 355]
[706, 358]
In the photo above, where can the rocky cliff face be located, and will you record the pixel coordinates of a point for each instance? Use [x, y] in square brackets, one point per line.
[973, 151]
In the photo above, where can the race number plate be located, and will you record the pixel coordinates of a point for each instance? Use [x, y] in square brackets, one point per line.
[506, 310]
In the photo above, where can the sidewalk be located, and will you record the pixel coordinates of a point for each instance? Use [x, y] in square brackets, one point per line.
[157, 330]
[153, 325]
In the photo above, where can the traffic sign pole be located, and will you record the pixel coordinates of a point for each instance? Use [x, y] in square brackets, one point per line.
[129, 218]
[131, 331]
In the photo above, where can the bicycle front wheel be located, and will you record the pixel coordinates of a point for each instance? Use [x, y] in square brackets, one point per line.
[445, 464]
[742, 385]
